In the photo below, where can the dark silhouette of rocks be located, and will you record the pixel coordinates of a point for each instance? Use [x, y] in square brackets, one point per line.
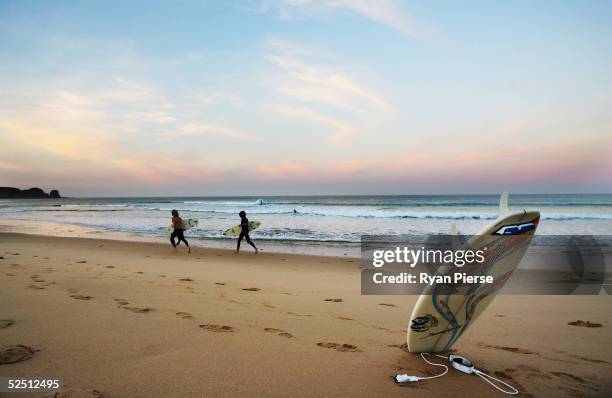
[32, 193]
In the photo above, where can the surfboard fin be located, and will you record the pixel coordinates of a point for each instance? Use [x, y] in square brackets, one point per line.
[503, 203]
[454, 236]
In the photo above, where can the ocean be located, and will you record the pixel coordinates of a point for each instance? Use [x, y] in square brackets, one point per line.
[317, 219]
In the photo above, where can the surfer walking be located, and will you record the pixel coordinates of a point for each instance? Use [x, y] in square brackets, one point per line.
[244, 233]
[177, 223]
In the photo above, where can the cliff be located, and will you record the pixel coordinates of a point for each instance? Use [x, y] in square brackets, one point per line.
[32, 193]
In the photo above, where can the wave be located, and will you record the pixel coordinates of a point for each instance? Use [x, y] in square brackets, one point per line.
[381, 213]
[26, 210]
[257, 202]
[348, 212]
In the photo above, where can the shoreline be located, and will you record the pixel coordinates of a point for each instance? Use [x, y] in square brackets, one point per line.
[56, 229]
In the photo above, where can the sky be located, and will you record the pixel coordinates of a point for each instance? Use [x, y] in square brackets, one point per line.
[301, 97]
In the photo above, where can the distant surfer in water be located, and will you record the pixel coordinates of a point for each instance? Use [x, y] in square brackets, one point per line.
[177, 223]
[244, 224]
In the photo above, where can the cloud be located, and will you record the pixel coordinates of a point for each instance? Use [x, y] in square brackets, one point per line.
[341, 129]
[320, 84]
[318, 92]
[42, 136]
[160, 169]
[207, 129]
[283, 170]
[385, 12]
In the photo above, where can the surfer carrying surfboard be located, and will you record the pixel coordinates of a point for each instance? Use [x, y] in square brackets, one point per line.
[244, 233]
[177, 223]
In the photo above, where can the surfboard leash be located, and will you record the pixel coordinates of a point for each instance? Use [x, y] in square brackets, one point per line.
[459, 363]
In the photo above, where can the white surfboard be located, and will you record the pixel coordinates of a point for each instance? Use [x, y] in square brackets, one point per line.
[440, 317]
[187, 224]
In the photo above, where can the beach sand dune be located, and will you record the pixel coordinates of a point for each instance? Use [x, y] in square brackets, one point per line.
[128, 319]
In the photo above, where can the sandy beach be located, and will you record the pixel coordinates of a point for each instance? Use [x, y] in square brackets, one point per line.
[134, 319]
[397, 164]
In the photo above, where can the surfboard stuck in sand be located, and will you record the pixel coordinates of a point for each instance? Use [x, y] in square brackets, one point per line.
[235, 230]
[441, 315]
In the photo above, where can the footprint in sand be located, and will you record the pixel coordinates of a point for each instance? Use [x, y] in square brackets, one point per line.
[403, 347]
[184, 315]
[220, 283]
[387, 304]
[75, 393]
[186, 280]
[9, 274]
[574, 385]
[81, 262]
[139, 272]
[15, 353]
[334, 300]
[217, 328]
[343, 318]
[80, 297]
[505, 374]
[279, 332]
[139, 310]
[71, 290]
[268, 305]
[252, 289]
[381, 328]
[4, 323]
[592, 360]
[110, 266]
[339, 347]
[586, 324]
[296, 314]
[121, 301]
[35, 287]
[568, 377]
[510, 349]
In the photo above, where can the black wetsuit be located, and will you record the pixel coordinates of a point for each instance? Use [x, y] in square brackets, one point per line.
[244, 223]
[178, 233]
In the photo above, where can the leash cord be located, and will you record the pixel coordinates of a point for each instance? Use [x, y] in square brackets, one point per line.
[466, 367]
[486, 377]
[434, 364]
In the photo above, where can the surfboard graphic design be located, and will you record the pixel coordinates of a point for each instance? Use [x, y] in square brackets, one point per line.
[455, 310]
